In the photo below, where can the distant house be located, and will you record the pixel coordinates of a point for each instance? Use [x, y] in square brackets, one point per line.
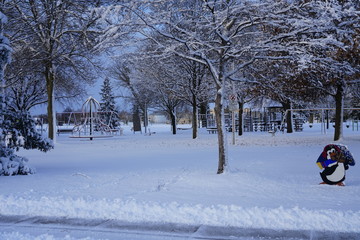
[158, 117]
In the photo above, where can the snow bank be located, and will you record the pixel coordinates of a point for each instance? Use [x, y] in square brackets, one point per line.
[219, 215]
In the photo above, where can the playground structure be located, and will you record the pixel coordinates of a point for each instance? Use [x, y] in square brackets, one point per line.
[268, 119]
[272, 119]
[89, 123]
[324, 118]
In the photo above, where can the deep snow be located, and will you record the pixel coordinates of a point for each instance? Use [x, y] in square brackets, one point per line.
[272, 183]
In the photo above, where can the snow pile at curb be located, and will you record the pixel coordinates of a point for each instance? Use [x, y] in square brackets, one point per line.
[219, 215]
[20, 236]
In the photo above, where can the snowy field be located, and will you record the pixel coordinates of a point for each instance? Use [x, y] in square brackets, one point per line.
[165, 186]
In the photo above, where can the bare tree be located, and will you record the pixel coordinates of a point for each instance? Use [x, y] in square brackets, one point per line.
[244, 93]
[228, 36]
[225, 36]
[164, 84]
[124, 72]
[194, 87]
[175, 80]
[332, 62]
[281, 82]
[212, 33]
[24, 81]
[60, 35]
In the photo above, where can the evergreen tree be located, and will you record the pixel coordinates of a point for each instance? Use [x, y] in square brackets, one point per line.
[107, 105]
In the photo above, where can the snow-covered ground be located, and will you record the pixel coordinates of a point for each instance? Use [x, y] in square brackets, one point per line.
[168, 183]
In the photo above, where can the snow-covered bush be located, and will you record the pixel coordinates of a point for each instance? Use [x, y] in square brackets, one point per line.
[17, 130]
[11, 164]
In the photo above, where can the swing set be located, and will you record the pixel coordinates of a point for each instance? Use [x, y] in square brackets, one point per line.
[323, 113]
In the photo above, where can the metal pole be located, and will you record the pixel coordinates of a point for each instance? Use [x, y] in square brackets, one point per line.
[233, 127]
[145, 118]
[91, 122]
[234, 99]
[325, 123]
[251, 122]
[357, 125]
[323, 127]
[322, 117]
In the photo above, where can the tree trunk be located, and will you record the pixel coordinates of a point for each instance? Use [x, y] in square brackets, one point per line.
[146, 119]
[136, 119]
[3, 64]
[50, 78]
[220, 123]
[173, 122]
[339, 103]
[194, 118]
[327, 119]
[289, 127]
[203, 112]
[241, 113]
